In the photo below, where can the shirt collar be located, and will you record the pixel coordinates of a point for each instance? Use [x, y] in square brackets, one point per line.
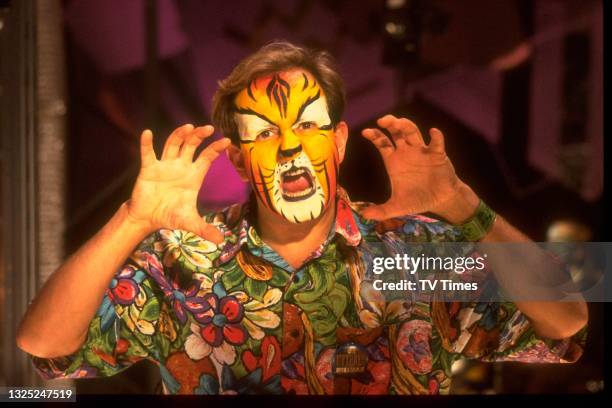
[345, 225]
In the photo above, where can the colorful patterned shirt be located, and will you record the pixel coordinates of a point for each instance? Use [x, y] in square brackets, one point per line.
[235, 318]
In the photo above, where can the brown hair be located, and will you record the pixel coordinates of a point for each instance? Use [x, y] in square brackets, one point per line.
[275, 57]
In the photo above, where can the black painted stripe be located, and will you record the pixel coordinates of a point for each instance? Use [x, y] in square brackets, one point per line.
[250, 93]
[268, 198]
[248, 111]
[305, 105]
[305, 81]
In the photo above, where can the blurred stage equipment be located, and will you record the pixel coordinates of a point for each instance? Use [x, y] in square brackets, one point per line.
[568, 231]
[442, 33]
[405, 22]
[561, 231]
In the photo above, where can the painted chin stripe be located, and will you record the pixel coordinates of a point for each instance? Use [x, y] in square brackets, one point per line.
[336, 169]
[262, 183]
[327, 182]
[265, 189]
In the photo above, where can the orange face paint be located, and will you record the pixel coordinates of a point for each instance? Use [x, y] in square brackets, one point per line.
[288, 145]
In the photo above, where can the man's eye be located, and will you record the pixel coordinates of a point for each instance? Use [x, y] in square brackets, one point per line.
[265, 135]
[307, 125]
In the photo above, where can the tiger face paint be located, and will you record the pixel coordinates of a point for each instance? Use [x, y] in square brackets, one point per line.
[287, 141]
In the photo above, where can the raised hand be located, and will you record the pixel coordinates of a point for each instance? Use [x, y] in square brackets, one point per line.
[166, 190]
[422, 176]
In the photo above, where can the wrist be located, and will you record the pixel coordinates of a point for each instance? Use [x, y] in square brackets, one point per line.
[461, 207]
[134, 224]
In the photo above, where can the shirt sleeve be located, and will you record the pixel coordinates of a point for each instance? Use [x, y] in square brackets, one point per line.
[132, 323]
[485, 328]
[499, 331]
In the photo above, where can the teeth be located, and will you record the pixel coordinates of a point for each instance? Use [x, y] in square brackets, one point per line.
[299, 194]
[294, 172]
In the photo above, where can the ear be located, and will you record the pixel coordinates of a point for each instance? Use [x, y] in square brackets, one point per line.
[234, 154]
[341, 137]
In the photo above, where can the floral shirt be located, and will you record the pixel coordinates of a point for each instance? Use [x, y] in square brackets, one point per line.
[235, 318]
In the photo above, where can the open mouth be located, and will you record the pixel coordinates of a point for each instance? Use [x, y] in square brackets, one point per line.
[297, 184]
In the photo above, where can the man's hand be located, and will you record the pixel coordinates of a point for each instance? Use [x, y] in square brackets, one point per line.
[164, 196]
[422, 176]
[424, 180]
[166, 191]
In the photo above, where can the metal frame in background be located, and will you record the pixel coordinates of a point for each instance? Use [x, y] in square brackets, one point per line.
[32, 163]
[19, 169]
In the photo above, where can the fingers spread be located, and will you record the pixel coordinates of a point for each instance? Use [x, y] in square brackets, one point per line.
[391, 123]
[147, 154]
[209, 154]
[175, 140]
[402, 130]
[409, 131]
[194, 139]
[386, 120]
[437, 140]
[380, 140]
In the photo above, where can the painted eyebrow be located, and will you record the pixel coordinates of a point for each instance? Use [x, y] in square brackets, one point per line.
[248, 111]
[305, 105]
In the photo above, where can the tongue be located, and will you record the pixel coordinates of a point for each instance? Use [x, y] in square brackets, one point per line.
[294, 185]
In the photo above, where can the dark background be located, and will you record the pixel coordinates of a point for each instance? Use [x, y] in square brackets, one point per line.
[438, 72]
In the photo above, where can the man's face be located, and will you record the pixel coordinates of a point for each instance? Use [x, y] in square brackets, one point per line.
[288, 145]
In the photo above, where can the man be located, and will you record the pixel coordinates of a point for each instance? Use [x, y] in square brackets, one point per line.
[273, 296]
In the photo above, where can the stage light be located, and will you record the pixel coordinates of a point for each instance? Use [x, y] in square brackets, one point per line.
[404, 23]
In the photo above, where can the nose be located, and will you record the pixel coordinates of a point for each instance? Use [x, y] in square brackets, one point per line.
[290, 152]
[290, 145]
